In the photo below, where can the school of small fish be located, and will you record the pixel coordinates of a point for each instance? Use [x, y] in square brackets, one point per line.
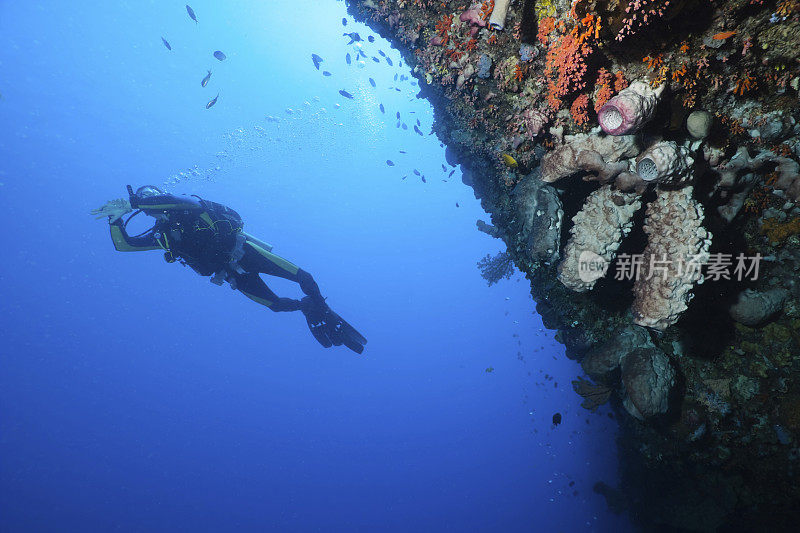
[354, 40]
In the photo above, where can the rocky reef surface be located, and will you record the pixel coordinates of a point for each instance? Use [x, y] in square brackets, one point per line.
[639, 158]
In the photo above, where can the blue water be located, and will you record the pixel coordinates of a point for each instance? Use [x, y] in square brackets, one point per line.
[137, 396]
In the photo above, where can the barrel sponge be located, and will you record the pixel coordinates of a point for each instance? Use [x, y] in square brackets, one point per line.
[677, 247]
[647, 378]
[599, 227]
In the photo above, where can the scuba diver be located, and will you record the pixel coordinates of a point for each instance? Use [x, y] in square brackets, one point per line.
[209, 238]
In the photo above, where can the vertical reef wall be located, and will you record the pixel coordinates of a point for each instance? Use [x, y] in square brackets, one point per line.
[639, 158]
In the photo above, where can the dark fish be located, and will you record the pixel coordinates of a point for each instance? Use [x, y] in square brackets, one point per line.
[219, 55]
[344, 22]
[326, 73]
[371, 39]
[457, 205]
[444, 168]
[424, 180]
[317, 60]
[362, 54]
[346, 94]
[383, 109]
[556, 419]
[205, 80]
[397, 89]
[390, 162]
[375, 59]
[402, 151]
[395, 77]
[416, 172]
[354, 37]
[347, 58]
[372, 82]
[398, 114]
[210, 104]
[417, 130]
[388, 60]
[404, 177]
[397, 125]
[166, 43]
[451, 173]
[381, 52]
[191, 13]
[405, 126]
[418, 123]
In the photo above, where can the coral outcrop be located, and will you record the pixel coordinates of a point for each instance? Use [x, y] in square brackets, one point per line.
[690, 109]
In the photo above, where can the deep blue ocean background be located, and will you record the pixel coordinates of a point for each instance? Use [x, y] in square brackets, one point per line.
[137, 396]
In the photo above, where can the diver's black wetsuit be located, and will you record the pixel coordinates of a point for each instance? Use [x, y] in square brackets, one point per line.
[209, 237]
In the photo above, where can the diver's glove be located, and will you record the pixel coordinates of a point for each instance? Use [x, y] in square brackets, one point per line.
[329, 328]
[114, 209]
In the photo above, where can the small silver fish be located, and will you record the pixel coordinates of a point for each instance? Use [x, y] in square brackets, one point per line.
[390, 162]
[389, 61]
[317, 60]
[372, 82]
[383, 109]
[347, 58]
[191, 13]
[219, 55]
[210, 104]
[166, 43]
[205, 80]
[346, 94]
[354, 37]
[326, 73]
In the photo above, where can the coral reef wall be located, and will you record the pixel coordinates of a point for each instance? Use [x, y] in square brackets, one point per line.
[639, 158]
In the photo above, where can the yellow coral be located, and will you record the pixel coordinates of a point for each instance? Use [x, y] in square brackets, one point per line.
[777, 231]
[544, 9]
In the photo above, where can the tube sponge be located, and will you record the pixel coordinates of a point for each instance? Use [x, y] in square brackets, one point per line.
[665, 162]
[497, 20]
[597, 231]
[676, 249]
[629, 110]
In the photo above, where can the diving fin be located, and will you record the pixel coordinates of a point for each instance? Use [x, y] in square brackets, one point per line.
[330, 329]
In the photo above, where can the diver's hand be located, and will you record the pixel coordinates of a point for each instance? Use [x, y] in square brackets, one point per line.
[114, 209]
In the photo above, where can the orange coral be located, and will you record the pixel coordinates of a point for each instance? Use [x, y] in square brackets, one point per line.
[619, 81]
[443, 28]
[580, 110]
[786, 8]
[471, 45]
[745, 84]
[566, 65]
[492, 39]
[546, 27]
[519, 74]
[604, 91]
[684, 47]
[653, 63]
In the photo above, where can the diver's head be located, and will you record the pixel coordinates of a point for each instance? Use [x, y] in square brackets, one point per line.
[148, 190]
